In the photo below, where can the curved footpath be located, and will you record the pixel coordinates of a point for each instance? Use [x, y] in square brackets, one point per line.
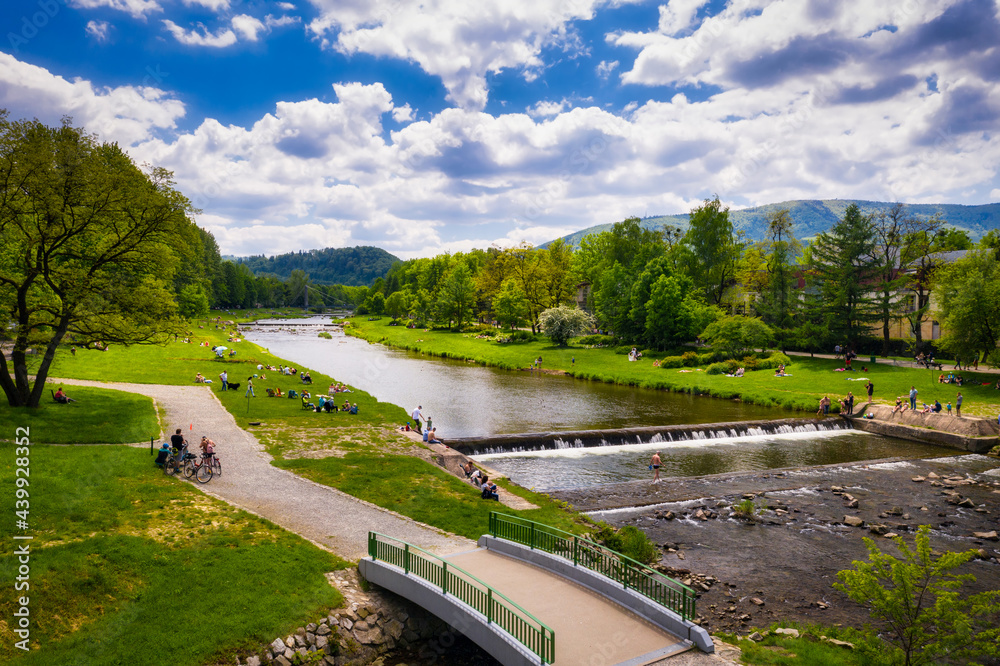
[332, 519]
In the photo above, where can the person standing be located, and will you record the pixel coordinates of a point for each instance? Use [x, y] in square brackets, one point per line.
[871, 390]
[224, 378]
[913, 397]
[250, 387]
[654, 464]
[416, 415]
[958, 404]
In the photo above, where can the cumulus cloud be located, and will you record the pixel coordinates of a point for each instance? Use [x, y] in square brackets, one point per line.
[126, 114]
[135, 8]
[98, 30]
[214, 5]
[458, 41]
[247, 26]
[200, 36]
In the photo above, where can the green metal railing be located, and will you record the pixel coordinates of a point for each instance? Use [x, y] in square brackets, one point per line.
[583, 553]
[465, 587]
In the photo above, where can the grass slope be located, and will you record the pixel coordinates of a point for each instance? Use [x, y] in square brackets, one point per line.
[129, 566]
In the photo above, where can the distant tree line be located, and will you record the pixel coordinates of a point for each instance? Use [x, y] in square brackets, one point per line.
[352, 266]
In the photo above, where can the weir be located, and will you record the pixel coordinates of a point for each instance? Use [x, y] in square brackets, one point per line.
[642, 435]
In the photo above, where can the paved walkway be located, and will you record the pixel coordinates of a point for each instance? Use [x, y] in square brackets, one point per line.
[324, 515]
[588, 627]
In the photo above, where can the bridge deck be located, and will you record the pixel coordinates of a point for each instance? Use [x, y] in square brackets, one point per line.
[589, 629]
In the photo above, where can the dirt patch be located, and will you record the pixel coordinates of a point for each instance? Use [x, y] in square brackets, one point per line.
[782, 565]
[331, 442]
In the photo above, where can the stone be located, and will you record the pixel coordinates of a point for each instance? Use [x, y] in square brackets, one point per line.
[301, 631]
[363, 613]
[289, 653]
[700, 515]
[321, 642]
[787, 631]
[967, 503]
[373, 636]
[300, 641]
[744, 618]
[311, 627]
[755, 637]
[282, 661]
[680, 555]
[932, 475]
[836, 489]
[853, 504]
[394, 629]
[918, 479]
[310, 638]
[755, 600]
[878, 529]
[890, 535]
[853, 521]
[989, 536]
[362, 625]
[278, 646]
[253, 661]
[346, 623]
[834, 641]
[322, 630]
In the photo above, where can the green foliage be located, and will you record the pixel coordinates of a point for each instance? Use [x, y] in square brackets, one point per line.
[690, 358]
[325, 335]
[510, 305]
[596, 340]
[562, 323]
[353, 266]
[456, 297]
[916, 600]
[90, 242]
[714, 247]
[746, 509]
[738, 335]
[192, 302]
[969, 308]
[629, 541]
[720, 368]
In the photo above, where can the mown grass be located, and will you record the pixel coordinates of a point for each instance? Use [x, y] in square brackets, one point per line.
[129, 566]
[810, 378]
[423, 491]
[99, 416]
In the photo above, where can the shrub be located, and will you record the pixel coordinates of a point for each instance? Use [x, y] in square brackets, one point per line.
[325, 335]
[773, 361]
[749, 363]
[622, 349]
[522, 336]
[720, 368]
[629, 541]
[690, 358]
[672, 362]
[596, 340]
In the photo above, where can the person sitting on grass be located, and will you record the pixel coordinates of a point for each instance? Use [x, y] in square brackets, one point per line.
[489, 490]
[61, 397]
[354, 408]
[476, 478]
[278, 393]
[162, 454]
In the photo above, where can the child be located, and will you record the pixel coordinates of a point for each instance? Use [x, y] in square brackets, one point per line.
[948, 407]
[162, 455]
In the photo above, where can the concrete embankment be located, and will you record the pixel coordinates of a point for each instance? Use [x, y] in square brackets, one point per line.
[963, 433]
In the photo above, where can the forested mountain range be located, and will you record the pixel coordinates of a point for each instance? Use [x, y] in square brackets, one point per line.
[352, 266]
[812, 216]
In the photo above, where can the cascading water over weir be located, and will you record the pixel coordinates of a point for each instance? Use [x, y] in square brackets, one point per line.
[495, 444]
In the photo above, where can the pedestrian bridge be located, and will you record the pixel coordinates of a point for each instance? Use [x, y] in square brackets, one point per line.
[533, 594]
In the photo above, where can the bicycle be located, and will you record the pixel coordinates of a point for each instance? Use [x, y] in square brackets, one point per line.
[176, 463]
[200, 470]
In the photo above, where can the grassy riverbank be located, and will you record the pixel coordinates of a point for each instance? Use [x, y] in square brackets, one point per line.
[99, 416]
[809, 378]
[128, 566]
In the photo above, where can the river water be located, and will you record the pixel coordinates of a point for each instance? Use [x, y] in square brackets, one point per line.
[469, 400]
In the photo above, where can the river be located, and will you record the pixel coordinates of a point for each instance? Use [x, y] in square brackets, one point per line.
[470, 400]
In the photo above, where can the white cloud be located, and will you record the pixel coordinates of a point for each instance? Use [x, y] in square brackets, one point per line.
[214, 5]
[605, 68]
[98, 30]
[458, 41]
[135, 8]
[126, 114]
[547, 108]
[277, 22]
[200, 36]
[402, 114]
[247, 26]
[287, 6]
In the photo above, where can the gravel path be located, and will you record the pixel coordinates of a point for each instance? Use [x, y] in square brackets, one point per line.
[325, 516]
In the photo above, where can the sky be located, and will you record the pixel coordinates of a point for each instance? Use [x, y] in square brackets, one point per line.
[445, 125]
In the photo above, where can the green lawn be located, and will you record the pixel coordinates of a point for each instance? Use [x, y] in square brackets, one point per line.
[129, 566]
[423, 491]
[810, 378]
[99, 416]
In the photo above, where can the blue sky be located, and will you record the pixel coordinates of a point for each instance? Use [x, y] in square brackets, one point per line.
[447, 124]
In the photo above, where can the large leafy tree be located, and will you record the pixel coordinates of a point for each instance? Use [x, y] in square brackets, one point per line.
[562, 322]
[456, 296]
[714, 249]
[891, 228]
[969, 304]
[89, 244]
[922, 260]
[778, 304]
[844, 275]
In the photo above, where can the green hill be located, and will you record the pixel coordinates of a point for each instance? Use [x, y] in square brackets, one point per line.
[812, 216]
[352, 266]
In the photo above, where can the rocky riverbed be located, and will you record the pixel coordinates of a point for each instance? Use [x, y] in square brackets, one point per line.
[810, 523]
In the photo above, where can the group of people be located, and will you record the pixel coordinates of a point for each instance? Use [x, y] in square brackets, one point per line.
[950, 378]
[327, 404]
[338, 388]
[178, 446]
[488, 489]
[936, 408]
[634, 355]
